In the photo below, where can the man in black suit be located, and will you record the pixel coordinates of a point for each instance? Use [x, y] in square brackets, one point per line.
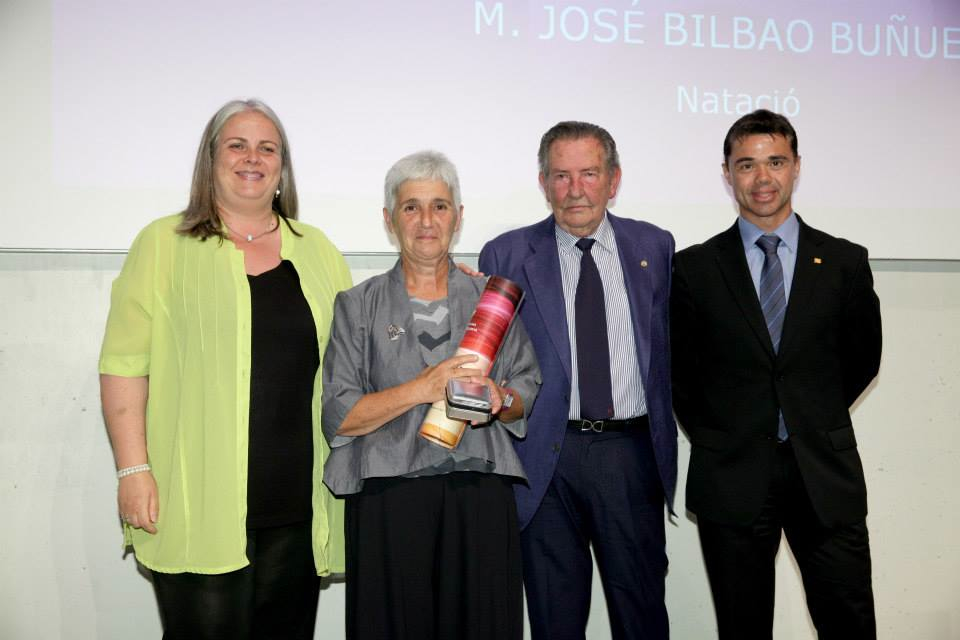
[775, 333]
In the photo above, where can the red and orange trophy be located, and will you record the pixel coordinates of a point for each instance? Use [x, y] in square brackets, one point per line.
[485, 332]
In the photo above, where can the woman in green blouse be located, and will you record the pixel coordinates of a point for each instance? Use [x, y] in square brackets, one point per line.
[211, 398]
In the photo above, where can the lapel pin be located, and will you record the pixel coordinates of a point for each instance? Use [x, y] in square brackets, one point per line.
[643, 263]
[394, 331]
[817, 261]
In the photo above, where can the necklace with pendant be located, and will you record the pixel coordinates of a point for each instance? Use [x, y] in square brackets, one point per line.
[249, 237]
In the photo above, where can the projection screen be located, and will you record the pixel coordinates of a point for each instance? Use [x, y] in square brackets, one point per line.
[109, 100]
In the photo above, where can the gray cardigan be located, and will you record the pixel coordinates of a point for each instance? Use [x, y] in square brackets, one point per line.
[362, 358]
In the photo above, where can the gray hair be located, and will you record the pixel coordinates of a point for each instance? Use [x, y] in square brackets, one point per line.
[422, 165]
[574, 130]
[200, 218]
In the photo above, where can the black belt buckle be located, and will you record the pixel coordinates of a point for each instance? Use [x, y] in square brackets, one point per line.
[585, 425]
[591, 425]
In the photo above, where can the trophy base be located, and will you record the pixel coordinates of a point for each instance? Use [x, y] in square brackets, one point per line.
[441, 436]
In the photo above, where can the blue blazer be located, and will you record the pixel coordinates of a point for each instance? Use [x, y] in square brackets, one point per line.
[529, 257]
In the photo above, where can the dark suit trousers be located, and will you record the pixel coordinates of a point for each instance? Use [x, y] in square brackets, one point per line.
[834, 563]
[605, 492]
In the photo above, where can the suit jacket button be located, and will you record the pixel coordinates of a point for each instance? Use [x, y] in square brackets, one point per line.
[556, 448]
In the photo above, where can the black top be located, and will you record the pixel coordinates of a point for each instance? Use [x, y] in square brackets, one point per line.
[284, 360]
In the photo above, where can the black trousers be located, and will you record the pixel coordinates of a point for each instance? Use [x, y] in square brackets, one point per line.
[434, 558]
[275, 596]
[605, 493]
[834, 563]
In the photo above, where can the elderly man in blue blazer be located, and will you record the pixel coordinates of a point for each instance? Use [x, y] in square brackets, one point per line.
[601, 446]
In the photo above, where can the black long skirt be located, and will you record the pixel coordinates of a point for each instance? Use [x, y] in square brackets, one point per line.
[434, 557]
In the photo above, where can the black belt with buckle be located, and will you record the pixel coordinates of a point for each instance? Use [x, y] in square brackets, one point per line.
[599, 426]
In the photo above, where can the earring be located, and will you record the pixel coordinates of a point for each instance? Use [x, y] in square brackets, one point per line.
[277, 194]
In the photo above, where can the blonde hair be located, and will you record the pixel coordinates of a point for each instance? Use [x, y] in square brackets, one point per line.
[200, 218]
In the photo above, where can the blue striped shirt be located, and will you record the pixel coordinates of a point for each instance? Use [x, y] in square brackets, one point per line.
[628, 396]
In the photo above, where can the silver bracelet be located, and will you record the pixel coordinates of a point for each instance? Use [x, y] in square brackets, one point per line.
[129, 471]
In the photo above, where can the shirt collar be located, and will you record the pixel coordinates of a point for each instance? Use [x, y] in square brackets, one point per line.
[789, 232]
[603, 236]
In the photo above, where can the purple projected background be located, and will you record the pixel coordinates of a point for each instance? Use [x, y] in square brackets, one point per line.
[872, 87]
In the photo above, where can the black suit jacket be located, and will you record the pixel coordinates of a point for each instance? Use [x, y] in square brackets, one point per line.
[728, 384]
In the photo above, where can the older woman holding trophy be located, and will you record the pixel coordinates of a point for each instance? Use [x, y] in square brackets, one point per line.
[431, 529]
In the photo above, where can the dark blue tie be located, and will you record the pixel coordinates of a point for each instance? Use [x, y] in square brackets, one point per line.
[773, 299]
[593, 350]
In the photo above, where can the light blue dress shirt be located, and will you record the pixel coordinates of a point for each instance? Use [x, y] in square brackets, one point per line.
[789, 233]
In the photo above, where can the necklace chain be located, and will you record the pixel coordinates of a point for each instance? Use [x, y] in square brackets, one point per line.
[249, 237]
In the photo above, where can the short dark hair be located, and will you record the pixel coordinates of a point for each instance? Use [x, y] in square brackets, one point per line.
[574, 130]
[759, 122]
